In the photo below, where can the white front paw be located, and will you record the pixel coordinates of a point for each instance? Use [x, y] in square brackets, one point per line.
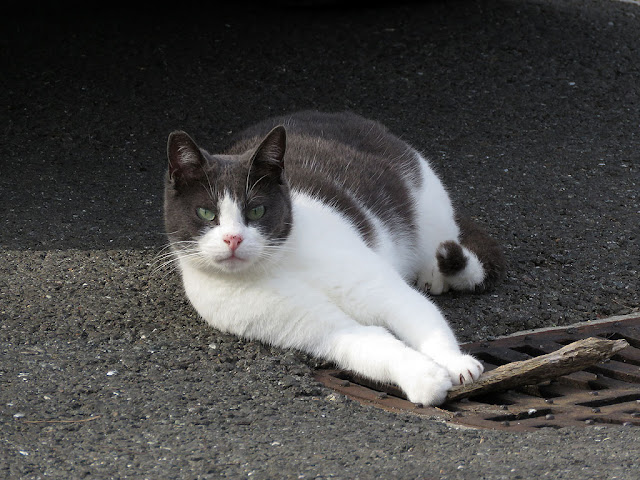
[463, 369]
[426, 383]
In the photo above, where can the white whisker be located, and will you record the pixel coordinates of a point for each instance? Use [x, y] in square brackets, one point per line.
[167, 259]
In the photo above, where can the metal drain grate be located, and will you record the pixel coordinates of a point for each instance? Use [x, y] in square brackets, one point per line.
[607, 393]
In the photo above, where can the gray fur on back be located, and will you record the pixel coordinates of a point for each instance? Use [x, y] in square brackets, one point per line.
[347, 162]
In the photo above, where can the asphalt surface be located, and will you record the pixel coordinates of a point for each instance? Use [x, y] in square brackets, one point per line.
[530, 111]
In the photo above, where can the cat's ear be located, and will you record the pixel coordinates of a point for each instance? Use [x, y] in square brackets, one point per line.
[268, 159]
[185, 158]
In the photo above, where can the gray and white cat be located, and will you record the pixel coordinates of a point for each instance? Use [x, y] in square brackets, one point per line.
[312, 232]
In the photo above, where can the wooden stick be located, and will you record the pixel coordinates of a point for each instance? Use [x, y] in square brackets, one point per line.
[572, 358]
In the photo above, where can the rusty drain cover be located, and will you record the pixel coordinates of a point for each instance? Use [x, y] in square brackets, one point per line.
[607, 393]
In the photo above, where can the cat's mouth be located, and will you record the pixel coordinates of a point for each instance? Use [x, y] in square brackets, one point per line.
[232, 258]
[232, 262]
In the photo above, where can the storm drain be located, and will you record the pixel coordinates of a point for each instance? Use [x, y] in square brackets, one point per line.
[606, 393]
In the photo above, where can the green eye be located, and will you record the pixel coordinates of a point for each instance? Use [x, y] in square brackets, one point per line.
[256, 213]
[206, 214]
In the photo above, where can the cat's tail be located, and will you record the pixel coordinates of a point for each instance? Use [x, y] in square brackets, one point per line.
[475, 263]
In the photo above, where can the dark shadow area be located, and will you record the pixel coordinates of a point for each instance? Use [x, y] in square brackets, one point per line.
[518, 104]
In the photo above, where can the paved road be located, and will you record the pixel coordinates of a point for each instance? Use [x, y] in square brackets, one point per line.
[529, 109]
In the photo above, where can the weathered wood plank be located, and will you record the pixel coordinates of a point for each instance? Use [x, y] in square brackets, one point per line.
[571, 358]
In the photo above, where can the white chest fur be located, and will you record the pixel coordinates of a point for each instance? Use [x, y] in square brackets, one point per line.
[329, 294]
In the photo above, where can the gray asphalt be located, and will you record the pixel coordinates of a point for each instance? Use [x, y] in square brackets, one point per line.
[530, 111]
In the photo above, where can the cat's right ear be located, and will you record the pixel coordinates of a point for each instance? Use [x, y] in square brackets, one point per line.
[185, 158]
[268, 159]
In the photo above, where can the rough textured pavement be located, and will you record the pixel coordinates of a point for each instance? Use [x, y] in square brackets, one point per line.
[529, 109]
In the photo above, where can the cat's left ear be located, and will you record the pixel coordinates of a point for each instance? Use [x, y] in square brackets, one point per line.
[268, 159]
[185, 158]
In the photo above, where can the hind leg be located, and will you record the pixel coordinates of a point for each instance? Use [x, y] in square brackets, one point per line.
[431, 280]
[453, 267]
[473, 263]
[454, 252]
[459, 266]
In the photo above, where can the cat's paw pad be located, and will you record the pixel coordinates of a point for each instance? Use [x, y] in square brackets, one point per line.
[427, 385]
[464, 369]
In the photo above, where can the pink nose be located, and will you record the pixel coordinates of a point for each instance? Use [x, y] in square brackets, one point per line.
[233, 241]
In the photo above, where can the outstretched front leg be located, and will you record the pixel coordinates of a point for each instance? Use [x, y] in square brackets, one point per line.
[312, 322]
[419, 323]
[374, 353]
[413, 319]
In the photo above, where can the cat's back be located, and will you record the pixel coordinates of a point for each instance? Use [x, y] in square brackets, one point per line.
[351, 163]
[310, 132]
[340, 128]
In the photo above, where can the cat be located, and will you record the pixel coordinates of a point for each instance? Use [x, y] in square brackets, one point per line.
[320, 232]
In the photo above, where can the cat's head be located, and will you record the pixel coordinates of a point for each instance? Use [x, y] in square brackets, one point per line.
[227, 213]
